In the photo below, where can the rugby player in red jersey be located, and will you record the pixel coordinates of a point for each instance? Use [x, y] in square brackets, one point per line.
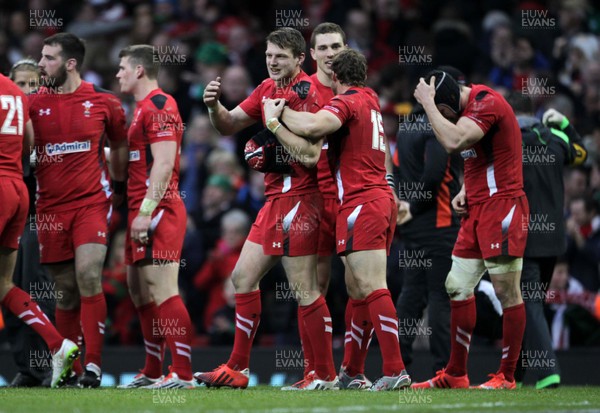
[157, 221]
[16, 139]
[479, 123]
[367, 213]
[72, 118]
[287, 227]
[327, 40]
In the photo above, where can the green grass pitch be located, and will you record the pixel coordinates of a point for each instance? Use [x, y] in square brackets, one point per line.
[268, 399]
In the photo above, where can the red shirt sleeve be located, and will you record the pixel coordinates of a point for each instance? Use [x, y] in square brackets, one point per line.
[483, 111]
[252, 105]
[340, 108]
[161, 124]
[116, 127]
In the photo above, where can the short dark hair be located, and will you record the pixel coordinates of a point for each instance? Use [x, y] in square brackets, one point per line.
[142, 54]
[288, 38]
[71, 45]
[350, 67]
[325, 28]
[520, 103]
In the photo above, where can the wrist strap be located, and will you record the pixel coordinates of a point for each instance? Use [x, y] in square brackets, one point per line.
[564, 123]
[390, 180]
[148, 206]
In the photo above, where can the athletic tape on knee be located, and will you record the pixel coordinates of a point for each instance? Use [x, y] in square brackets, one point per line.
[503, 265]
[464, 275]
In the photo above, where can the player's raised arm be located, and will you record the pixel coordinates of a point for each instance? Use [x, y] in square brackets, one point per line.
[303, 150]
[453, 137]
[225, 121]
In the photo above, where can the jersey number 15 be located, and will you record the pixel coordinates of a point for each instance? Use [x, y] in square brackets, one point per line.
[378, 141]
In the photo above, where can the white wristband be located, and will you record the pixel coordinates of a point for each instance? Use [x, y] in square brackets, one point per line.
[148, 206]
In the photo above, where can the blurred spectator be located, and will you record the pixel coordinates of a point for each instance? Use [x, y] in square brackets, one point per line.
[199, 140]
[224, 162]
[573, 311]
[217, 199]
[222, 326]
[236, 86]
[583, 252]
[251, 196]
[210, 62]
[210, 280]
[576, 181]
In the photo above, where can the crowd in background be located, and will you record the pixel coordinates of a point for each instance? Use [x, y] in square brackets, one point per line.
[553, 55]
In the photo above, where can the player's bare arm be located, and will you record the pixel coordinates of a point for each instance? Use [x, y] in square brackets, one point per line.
[453, 137]
[225, 121]
[310, 125]
[28, 138]
[303, 150]
[164, 154]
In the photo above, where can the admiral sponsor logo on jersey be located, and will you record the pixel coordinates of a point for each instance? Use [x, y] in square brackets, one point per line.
[68, 147]
[134, 156]
[469, 153]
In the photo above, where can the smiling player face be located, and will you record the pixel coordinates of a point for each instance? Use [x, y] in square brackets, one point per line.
[281, 63]
[327, 45]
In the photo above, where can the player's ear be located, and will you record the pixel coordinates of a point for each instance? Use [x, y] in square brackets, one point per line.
[312, 54]
[71, 64]
[139, 71]
[301, 58]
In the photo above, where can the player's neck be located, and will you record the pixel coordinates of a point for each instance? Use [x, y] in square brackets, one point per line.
[144, 87]
[342, 89]
[71, 84]
[284, 82]
[465, 92]
[323, 78]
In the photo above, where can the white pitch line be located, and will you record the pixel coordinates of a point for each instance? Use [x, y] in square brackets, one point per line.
[403, 406]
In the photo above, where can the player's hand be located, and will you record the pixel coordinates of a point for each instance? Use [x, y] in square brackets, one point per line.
[425, 92]
[552, 117]
[212, 93]
[139, 229]
[404, 214]
[273, 108]
[459, 203]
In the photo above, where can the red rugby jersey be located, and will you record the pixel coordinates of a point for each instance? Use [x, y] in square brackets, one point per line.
[301, 95]
[326, 182]
[13, 117]
[493, 166]
[357, 149]
[156, 119]
[70, 132]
